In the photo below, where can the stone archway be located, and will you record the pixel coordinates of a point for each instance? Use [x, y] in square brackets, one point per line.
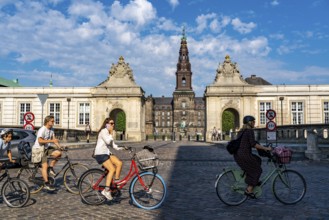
[230, 121]
[119, 117]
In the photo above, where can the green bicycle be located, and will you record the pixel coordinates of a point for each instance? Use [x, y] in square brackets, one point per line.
[288, 186]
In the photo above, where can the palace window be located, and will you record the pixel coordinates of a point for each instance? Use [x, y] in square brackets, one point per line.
[183, 104]
[84, 113]
[168, 123]
[24, 107]
[297, 112]
[0, 113]
[55, 110]
[326, 112]
[263, 107]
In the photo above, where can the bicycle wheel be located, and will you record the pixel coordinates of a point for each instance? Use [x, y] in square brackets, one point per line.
[289, 187]
[15, 193]
[33, 178]
[149, 191]
[230, 187]
[91, 183]
[72, 175]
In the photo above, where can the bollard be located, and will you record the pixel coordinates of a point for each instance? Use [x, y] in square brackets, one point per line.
[313, 152]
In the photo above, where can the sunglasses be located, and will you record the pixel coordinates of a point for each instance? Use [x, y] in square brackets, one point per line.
[111, 123]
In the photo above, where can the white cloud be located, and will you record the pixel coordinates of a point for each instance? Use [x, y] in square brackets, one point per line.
[202, 21]
[275, 2]
[85, 40]
[241, 27]
[139, 12]
[277, 36]
[173, 3]
[167, 25]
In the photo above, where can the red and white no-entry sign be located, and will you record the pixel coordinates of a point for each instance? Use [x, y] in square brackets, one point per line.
[270, 114]
[28, 117]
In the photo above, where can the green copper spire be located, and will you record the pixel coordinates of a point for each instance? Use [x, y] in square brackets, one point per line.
[184, 36]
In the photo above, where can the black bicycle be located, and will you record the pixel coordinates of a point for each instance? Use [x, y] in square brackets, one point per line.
[15, 192]
[31, 173]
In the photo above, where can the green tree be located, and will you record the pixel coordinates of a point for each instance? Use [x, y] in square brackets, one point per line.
[120, 121]
[227, 121]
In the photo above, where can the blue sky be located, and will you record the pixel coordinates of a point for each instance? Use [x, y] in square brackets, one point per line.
[75, 42]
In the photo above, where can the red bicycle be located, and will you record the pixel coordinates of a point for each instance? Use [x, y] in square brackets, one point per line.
[147, 188]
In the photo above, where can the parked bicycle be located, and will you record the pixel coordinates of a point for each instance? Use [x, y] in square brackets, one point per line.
[31, 173]
[288, 186]
[147, 189]
[15, 192]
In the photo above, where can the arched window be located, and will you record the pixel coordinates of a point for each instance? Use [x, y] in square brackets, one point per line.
[183, 81]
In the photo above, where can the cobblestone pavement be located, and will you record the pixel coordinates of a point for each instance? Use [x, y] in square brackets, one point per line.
[189, 169]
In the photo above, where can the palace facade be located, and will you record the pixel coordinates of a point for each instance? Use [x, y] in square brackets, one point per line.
[183, 113]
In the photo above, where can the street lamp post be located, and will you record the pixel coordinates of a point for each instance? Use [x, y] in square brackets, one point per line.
[281, 100]
[68, 113]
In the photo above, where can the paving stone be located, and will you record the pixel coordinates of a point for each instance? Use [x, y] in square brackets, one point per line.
[189, 170]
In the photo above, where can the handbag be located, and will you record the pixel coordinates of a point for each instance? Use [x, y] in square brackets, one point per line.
[233, 146]
[37, 154]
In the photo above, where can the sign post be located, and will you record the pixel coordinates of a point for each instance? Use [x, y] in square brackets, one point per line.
[270, 125]
[28, 118]
[43, 98]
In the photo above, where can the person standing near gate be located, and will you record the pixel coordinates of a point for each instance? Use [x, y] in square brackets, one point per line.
[88, 131]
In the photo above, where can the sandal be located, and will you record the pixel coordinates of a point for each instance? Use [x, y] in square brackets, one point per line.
[250, 194]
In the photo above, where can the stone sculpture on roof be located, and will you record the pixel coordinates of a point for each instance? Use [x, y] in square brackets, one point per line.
[228, 73]
[120, 74]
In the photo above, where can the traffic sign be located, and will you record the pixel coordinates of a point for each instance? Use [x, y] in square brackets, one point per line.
[270, 114]
[29, 126]
[271, 136]
[271, 126]
[28, 117]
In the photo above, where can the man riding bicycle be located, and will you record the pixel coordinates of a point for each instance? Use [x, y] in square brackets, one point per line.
[45, 137]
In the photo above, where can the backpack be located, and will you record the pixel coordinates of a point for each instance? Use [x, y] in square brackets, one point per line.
[25, 151]
[233, 146]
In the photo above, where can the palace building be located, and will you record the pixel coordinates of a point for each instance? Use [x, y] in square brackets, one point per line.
[121, 98]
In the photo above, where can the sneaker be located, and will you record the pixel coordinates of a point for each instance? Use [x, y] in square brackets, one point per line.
[48, 187]
[51, 171]
[107, 194]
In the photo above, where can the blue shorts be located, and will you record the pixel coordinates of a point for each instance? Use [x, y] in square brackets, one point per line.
[101, 158]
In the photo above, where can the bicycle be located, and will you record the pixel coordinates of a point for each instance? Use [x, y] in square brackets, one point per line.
[147, 189]
[15, 192]
[288, 186]
[31, 173]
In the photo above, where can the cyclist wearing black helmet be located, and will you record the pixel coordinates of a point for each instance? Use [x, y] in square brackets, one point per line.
[250, 163]
[6, 136]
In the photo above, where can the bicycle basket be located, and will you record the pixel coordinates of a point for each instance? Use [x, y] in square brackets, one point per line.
[282, 154]
[147, 158]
